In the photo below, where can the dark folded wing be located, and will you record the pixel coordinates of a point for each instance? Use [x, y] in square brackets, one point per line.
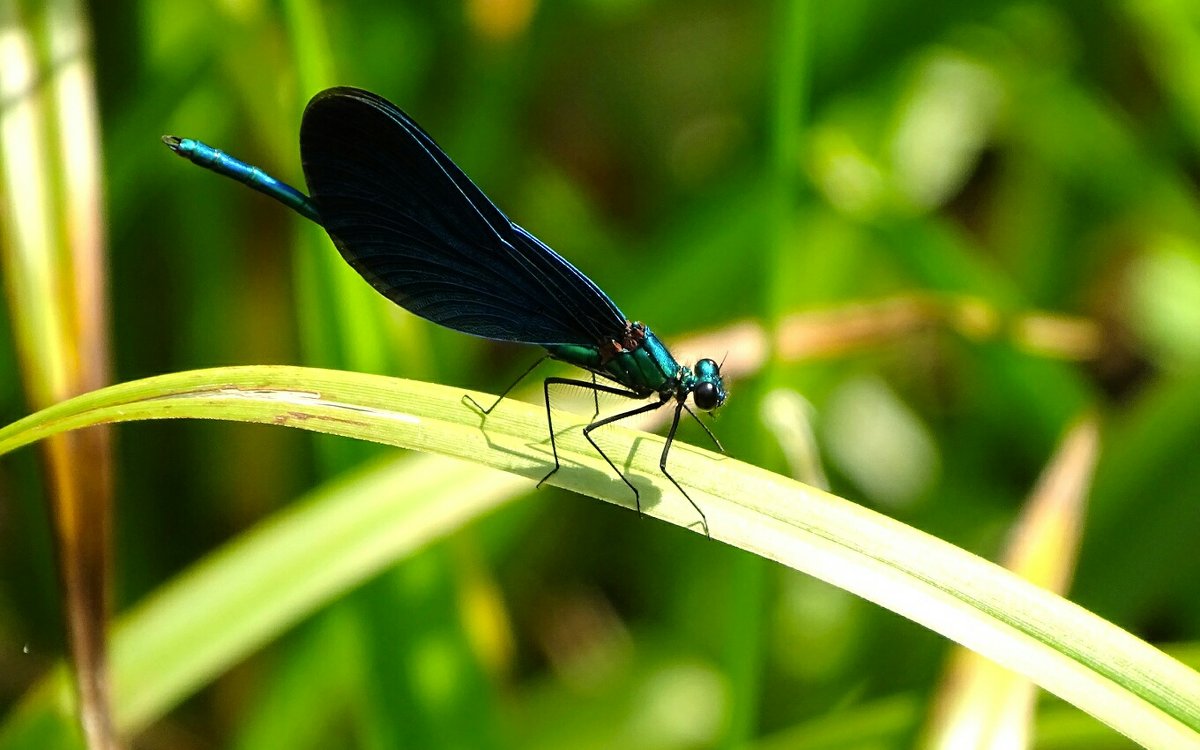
[420, 232]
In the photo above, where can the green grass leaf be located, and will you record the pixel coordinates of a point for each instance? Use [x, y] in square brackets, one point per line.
[1095, 665]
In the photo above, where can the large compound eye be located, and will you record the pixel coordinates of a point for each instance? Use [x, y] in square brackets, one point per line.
[706, 397]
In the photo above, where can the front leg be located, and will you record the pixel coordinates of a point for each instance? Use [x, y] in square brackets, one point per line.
[662, 462]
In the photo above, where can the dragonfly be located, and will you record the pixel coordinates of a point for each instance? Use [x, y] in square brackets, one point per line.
[419, 231]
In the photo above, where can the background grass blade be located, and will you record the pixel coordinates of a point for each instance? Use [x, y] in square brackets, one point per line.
[52, 258]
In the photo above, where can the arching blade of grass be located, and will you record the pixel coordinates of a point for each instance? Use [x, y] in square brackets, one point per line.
[256, 587]
[337, 537]
[1107, 672]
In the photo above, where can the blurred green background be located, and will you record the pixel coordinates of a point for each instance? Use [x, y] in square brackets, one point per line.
[707, 164]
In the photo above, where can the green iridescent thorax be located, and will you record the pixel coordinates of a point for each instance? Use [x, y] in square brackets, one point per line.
[639, 361]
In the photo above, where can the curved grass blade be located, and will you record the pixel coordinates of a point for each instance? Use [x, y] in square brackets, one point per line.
[1091, 663]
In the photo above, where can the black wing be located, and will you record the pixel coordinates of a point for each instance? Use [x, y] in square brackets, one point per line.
[415, 227]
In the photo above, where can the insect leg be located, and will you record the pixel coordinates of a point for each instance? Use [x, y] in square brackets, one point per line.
[662, 462]
[550, 420]
[701, 423]
[587, 433]
[472, 402]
